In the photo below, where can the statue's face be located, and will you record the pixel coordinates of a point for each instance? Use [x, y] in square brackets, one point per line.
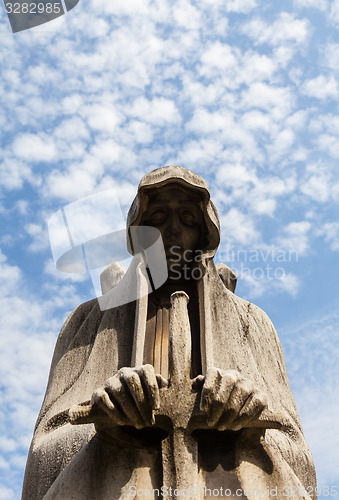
[176, 213]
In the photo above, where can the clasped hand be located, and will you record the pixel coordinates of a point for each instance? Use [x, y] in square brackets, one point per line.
[131, 396]
[229, 400]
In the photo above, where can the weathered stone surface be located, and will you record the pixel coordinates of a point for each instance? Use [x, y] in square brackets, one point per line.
[218, 414]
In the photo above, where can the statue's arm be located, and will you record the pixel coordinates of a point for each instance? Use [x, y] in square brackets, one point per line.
[238, 402]
[55, 441]
[289, 442]
[78, 375]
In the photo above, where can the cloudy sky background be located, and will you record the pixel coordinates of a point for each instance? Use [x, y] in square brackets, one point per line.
[243, 92]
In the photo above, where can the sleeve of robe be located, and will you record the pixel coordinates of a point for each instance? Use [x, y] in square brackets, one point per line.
[276, 459]
[288, 462]
[89, 349]
[240, 336]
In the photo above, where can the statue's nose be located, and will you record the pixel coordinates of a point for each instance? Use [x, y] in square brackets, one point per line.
[174, 225]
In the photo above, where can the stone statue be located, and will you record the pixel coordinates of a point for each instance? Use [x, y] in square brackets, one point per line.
[183, 392]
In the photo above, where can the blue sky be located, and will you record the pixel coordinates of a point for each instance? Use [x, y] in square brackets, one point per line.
[245, 93]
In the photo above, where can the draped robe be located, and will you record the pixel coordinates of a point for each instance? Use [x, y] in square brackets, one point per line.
[77, 463]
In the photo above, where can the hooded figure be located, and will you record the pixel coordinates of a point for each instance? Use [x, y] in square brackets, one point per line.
[234, 350]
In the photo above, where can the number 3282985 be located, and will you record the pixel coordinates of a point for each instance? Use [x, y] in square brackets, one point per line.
[33, 8]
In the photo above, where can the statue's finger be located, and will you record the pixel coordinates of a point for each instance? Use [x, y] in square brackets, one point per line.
[150, 384]
[198, 382]
[102, 400]
[212, 381]
[251, 410]
[242, 390]
[217, 407]
[133, 382]
[120, 395]
[161, 381]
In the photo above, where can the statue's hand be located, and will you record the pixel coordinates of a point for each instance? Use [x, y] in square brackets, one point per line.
[229, 400]
[131, 396]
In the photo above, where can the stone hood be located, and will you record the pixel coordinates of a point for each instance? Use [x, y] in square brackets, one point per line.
[190, 180]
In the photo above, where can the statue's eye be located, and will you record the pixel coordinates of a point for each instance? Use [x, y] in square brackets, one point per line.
[157, 217]
[188, 217]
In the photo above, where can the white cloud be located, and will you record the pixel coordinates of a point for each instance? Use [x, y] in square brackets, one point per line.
[4, 464]
[35, 148]
[329, 125]
[14, 173]
[11, 275]
[330, 55]
[58, 276]
[123, 7]
[33, 323]
[29, 344]
[238, 227]
[222, 123]
[330, 230]
[197, 154]
[316, 4]
[39, 237]
[140, 132]
[19, 461]
[295, 237]
[283, 55]
[257, 67]
[228, 65]
[317, 187]
[319, 180]
[184, 10]
[276, 100]
[108, 152]
[270, 187]
[242, 6]
[334, 14]
[257, 120]
[281, 143]
[42, 72]
[6, 493]
[236, 177]
[309, 345]
[7, 444]
[243, 185]
[72, 129]
[72, 104]
[78, 181]
[321, 87]
[102, 117]
[157, 111]
[286, 29]
[329, 143]
[288, 282]
[219, 57]
[22, 206]
[297, 120]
